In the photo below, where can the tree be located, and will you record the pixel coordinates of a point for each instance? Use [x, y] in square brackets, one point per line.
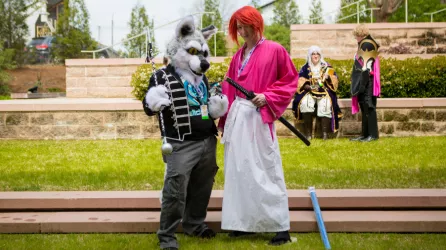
[256, 4]
[364, 16]
[286, 12]
[316, 12]
[139, 23]
[217, 21]
[278, 33]
[387, 8]
[73, 31]
[13, 14]
[416, 11]
[13, 28]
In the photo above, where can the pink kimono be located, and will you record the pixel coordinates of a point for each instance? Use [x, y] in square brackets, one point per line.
[269, 71]
[255, 197]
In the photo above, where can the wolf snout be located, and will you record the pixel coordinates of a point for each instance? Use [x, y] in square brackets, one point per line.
[204, 65]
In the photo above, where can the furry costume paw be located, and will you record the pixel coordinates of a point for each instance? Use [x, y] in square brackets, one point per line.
[218, 105]
[157, 97]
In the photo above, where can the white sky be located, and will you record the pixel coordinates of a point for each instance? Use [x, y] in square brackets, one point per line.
[162, 12]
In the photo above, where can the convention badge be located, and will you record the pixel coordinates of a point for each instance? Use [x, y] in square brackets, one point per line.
[204, 112]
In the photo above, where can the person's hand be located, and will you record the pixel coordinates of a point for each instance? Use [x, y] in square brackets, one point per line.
[307, 87]
[325, 78]
[259, 100]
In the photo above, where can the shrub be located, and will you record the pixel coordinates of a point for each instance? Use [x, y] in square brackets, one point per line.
[140, 80]
[412, 77]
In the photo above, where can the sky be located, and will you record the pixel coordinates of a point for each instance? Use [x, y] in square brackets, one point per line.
[102, 12]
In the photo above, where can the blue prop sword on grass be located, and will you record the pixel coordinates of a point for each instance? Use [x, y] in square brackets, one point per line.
[319, 219]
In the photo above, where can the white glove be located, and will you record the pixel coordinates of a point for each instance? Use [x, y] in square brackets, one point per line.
[369, 65]
[157, 97]
[218, 105]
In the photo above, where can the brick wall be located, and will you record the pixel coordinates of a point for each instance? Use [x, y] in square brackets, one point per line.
[337, 41]
[103, 78]
[123, 118]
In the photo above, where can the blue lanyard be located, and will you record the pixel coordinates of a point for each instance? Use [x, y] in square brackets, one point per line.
[249, 57]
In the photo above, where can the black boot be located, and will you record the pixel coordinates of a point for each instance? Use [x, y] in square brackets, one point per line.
[364, 123]
[280, 238]
[234, 234]
[207, 234]
[308, 124]
[325, 127]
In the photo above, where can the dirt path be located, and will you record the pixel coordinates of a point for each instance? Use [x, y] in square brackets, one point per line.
[51, 76]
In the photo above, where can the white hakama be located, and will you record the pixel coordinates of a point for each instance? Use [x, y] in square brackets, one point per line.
[255, 197]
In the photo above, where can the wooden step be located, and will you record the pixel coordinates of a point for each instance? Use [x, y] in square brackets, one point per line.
[298, 200]
[148, 222]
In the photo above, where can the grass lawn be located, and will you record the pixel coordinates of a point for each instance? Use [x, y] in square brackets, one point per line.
[413, 162]
[311, 241]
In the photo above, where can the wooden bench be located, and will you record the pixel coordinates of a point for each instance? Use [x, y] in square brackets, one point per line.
[343, 210]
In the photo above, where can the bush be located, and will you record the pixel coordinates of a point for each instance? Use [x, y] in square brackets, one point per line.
[412, 77]
[140, 80]
[141, 77]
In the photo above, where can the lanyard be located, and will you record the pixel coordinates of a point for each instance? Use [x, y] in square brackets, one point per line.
[200, 94]
[249, 57]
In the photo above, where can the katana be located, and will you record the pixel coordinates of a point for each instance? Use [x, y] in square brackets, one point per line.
[250, 95]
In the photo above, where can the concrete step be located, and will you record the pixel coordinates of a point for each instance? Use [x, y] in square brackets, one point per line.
[336, 199]
[148, 222]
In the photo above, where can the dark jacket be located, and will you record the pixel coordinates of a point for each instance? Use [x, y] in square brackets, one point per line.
[176, 117]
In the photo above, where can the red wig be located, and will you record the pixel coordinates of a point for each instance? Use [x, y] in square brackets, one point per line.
[247, 16]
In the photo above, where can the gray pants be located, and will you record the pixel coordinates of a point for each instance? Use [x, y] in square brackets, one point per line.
[187, 188]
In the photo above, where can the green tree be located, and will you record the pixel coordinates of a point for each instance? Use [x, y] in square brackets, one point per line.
[278, 33]
[286, 12]
[256, 4]
[217, 21]
[386, 8]
[73, 31]
[364, 16]
[416, 10]
[13, 28]
[316, 12]
[139, 23]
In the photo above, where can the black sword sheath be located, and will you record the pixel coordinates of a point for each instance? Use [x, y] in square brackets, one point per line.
[250, 95]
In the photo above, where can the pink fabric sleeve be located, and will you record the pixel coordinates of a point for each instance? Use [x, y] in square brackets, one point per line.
[279, 93]
[376, 78]
[355, 105]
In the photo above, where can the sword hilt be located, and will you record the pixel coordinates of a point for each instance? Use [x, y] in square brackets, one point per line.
[249, 94]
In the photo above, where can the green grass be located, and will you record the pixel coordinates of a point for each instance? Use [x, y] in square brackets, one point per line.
[5, 97]
[310, 241]
[412, 162]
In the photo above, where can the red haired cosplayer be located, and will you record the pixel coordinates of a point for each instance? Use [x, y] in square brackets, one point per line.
[255, 198]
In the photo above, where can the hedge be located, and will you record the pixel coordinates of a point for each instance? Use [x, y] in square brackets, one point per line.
[412, 77]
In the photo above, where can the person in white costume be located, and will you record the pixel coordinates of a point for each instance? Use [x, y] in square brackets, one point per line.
[255, 197]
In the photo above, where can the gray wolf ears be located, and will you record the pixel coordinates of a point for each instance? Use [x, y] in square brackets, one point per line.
[209, 31]
[187, 27]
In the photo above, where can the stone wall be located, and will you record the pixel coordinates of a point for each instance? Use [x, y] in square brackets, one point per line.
[62, 125]
[100, 78]
[103, 78]
[337, 41]
[123, 118]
